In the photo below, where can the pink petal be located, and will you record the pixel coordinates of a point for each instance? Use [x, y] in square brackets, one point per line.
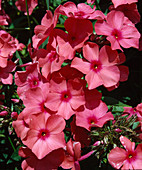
[93, 79]
[91, 51]
[128, 145]
[110, 75]
[116, 157]
[115, 19]
[81, 65]
[57, 127]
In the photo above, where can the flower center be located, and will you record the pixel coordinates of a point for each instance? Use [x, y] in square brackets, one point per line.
[33, 82]
[130, 156]
[43, 134]
[116, 34]
[95, 66]
[65, 96]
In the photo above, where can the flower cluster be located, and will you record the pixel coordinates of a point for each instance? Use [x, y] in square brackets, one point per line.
[64, 119]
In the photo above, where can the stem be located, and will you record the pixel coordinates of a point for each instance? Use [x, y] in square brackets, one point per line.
[11, 144]
[28, 17]
[47, 3]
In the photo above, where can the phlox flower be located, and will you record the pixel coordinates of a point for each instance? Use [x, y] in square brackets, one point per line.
[120, 31]
[45, 134]
[134, 111]
[4, 18]
[29, 79]
[94, 118]
[34, 100]
[8, 46]
[130, 11]
[5, 76]
[78, 32]
[82, 11]
[52, 61]
[50, 161]
[100, 67]
[72, 155]
[21, 5]
[90, 1]
[64, 98]
[42, 31]
[121, 2]
[130, 158]
[21, 125]
[80, 134]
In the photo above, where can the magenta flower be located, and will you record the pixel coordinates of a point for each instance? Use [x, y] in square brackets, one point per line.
[45, 135]
[120, 31]
[21, 5]
[78, 32]
[130, 11]
[130, 158]
[5, 73]
[93, 118]
[29, 79]
[64, 98]
[73, 153]
[81, 11]
[52, 160]
[44, 30]
[21, 125]
[121, 2]
[100, 68]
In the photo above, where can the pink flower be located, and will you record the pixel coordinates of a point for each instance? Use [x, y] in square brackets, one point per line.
[78, 32]
[44, 30]
[52, 61]
[130, 11]
[52, 160]
[82, 11]
[93, 118]
[34, 100]
[121, 2]
[21, 5]
[73, 153]
[90, 1]
[80, 134]
[29, 79]
[100, 68]
[64, 98]
[4, 18]
[45, 132]
[5, 72]
[130, 158]
[8, 46]
[21, 125]
[119, 31]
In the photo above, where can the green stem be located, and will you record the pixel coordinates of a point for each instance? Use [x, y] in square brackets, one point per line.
[47, 3]
[11, 144]
[28, 17]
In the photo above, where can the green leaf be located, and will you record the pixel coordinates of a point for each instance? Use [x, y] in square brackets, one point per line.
[135, 125]
[15, 155]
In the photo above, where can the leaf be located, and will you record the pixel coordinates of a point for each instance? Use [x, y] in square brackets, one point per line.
[135, 125]
[15, 155]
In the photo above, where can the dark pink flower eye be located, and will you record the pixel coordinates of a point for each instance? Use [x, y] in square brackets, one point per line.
[117, 34]
[33, 82]
[131, 156]
[66, 96]
[92, 120]
[43, 134]
[95, 66]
